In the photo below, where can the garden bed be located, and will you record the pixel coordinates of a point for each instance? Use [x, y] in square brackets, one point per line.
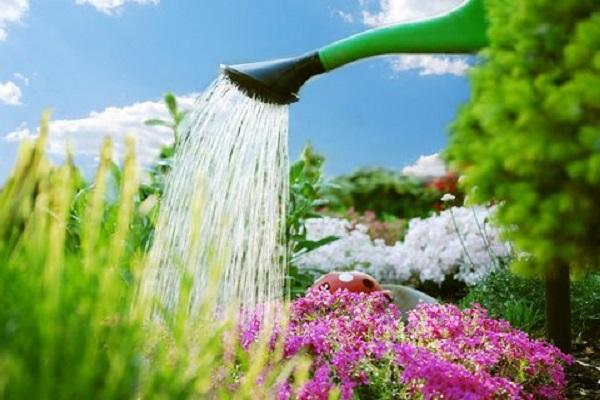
[584, 375]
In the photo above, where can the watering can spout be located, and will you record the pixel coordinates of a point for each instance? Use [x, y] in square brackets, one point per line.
[460, 31]
[276, 81]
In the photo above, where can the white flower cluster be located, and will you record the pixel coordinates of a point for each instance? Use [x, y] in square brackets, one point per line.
[354, 250]
[458, 242]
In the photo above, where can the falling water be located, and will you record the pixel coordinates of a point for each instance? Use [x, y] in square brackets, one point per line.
[224, 204]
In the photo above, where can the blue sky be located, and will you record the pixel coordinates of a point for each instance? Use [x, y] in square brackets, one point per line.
[101, 66]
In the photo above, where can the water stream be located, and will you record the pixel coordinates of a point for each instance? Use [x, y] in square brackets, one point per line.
[224, 204]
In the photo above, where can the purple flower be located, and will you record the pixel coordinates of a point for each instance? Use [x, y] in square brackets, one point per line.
[284, 392]
[318, 387]
[358, 341]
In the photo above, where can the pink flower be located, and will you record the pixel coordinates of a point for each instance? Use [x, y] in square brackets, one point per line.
[355, 339]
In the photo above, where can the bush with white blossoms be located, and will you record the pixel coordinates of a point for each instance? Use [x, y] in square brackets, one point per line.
[354, 250]
[458, 242]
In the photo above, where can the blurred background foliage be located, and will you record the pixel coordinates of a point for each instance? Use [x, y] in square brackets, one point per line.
[387, 194]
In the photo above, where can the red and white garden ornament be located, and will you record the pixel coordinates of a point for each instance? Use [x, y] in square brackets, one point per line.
[356, 282]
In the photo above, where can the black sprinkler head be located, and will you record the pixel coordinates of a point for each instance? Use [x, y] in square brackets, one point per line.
[277, 81]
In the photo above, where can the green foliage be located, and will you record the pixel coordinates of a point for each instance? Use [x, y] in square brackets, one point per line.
[586, 304]
[524, 316]
[159, 170]
[313, 163]
[529, 137]
[177, 117]
[305, 199]
[152, 191]
[72, 325]
[521, 301]
[382, 191]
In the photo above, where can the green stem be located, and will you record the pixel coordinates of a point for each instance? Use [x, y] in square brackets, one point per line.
[483, 232]
[462, 242]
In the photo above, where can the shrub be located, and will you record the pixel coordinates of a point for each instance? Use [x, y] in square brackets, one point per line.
[521, 301]
[354, 250]
[458, 243]
[382, 191]
[528, 138]
[358, 341]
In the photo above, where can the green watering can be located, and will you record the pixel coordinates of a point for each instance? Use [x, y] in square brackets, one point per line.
[459, 31]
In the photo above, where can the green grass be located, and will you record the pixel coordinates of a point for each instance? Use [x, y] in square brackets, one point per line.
[72, 325]
[521, 302]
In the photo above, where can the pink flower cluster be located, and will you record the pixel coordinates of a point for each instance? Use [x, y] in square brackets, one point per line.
[360, 344]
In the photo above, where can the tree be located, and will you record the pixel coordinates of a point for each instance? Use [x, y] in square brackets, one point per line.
[529, 138]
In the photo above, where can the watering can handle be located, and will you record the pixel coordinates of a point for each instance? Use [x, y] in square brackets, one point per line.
[461, 30]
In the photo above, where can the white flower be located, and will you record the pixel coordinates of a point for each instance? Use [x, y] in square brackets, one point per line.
[448, 197]
[432, 248]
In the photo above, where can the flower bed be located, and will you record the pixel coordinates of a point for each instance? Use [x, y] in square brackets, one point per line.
[457, 243]
[360, 344]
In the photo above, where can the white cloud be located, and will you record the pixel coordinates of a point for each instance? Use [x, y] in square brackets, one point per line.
[393, 11]
[426, 168]
[84, 136]
[430, 65]
[20, 133]
[22, 78]
[10, 93]
[11, 12]
[383, 12]
[345, 16]
[111, 7]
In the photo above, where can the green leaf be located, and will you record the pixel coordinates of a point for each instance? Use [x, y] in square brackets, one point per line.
[180, 116]
[310, 245]
[171, 103]
[296, 170]
[158, 122]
